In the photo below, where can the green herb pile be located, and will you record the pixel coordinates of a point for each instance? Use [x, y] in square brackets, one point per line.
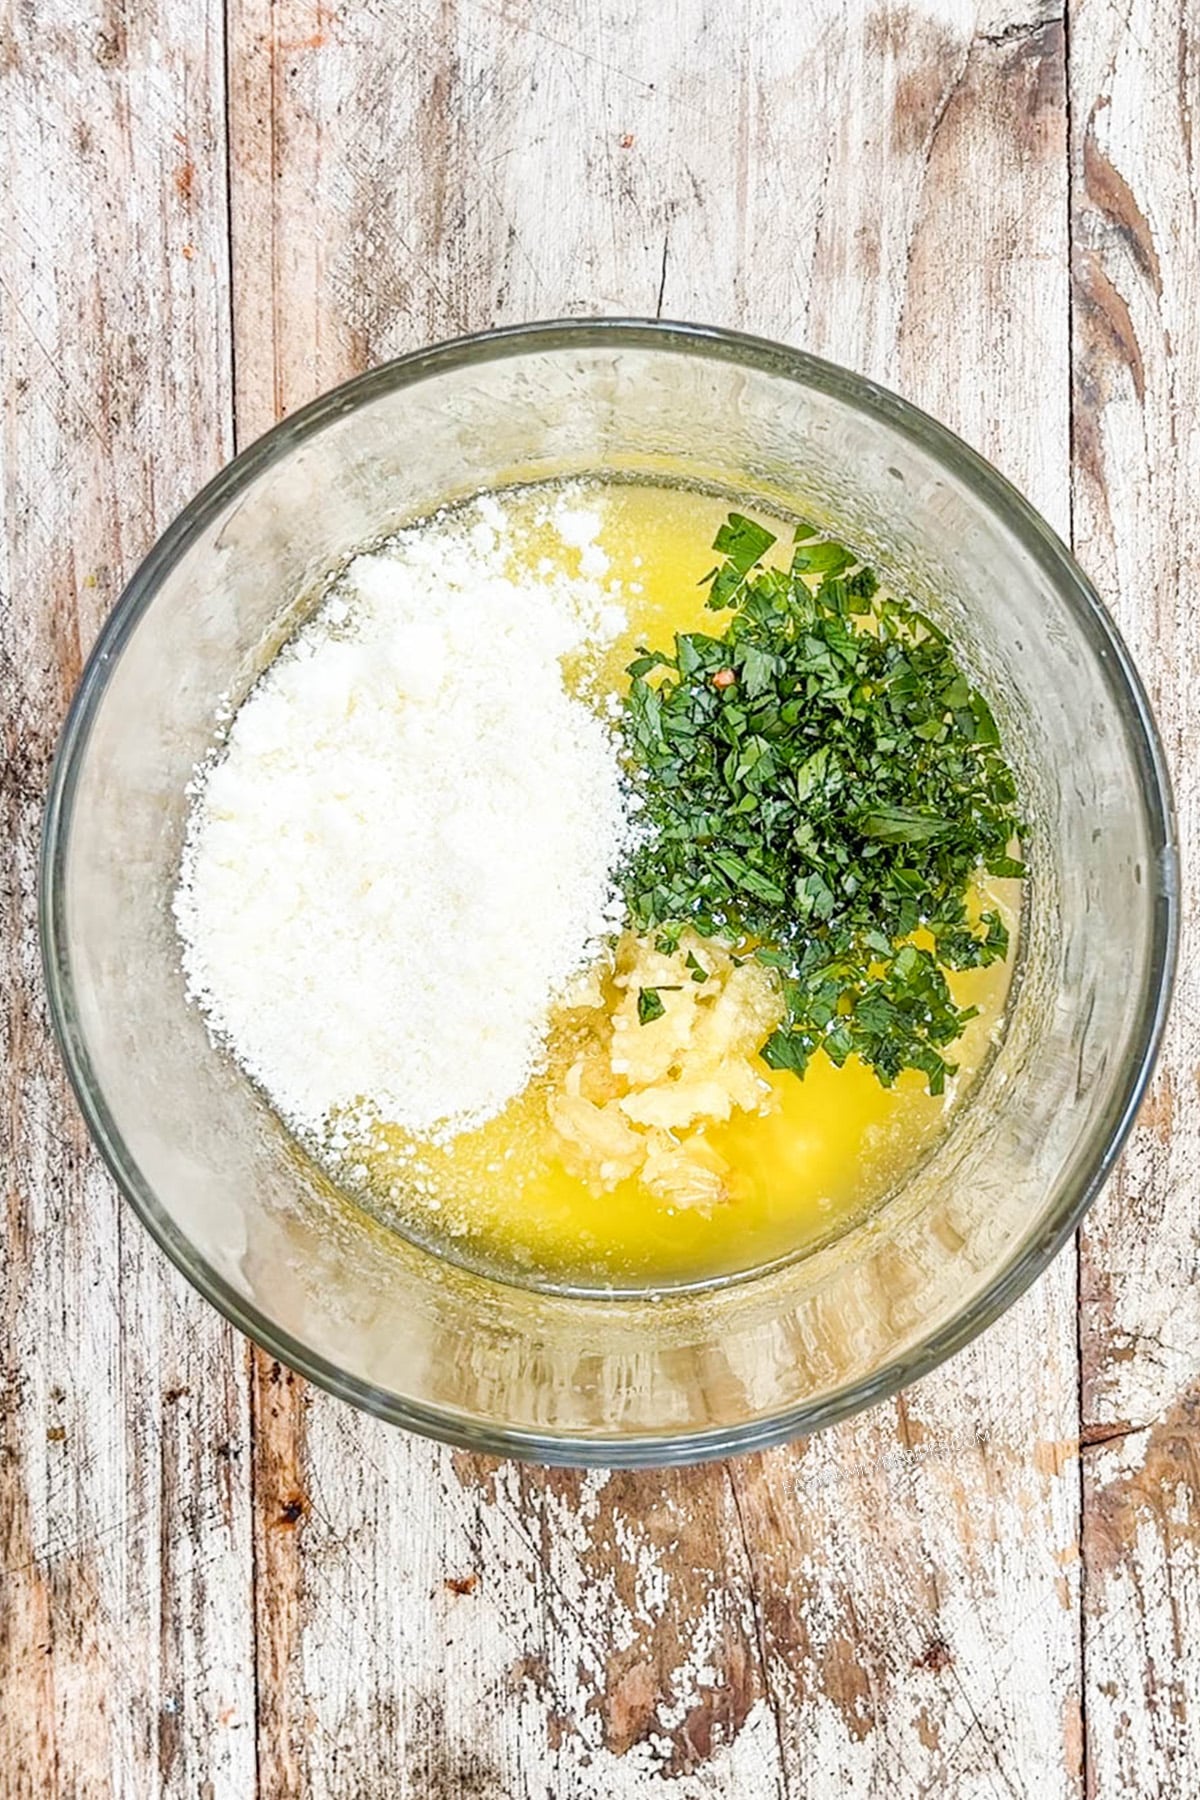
[821, 780]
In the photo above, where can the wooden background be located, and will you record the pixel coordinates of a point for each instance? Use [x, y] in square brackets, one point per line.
[216, 1582]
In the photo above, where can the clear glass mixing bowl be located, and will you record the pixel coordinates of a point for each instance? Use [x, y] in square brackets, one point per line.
[597, 1379]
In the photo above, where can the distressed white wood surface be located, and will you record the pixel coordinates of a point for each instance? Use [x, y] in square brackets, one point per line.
[125, 1595]
[1135, 161]
[245, 1587]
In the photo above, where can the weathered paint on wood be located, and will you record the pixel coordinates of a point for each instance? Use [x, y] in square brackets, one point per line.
[215, 1576]
[125, 1580]
[1135, 113]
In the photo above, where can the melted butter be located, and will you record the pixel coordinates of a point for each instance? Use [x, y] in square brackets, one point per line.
[826, 1151]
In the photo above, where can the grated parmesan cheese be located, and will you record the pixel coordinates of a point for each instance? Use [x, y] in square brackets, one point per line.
[406, 848]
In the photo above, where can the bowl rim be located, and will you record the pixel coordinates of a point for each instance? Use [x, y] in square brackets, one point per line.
[1098, 630]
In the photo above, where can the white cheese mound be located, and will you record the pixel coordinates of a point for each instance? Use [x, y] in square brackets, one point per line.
[405, 850]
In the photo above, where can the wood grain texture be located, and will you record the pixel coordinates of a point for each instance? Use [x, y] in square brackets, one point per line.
[1135, 108]
[218, 1582]
[893, 1609]
[125, 1621]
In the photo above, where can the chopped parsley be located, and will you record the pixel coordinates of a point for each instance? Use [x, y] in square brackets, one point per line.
[822, 781]
[649, 1005]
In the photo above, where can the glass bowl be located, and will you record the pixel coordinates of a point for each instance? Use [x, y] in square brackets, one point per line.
[560, 1377]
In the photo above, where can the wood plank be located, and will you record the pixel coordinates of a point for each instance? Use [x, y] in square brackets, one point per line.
[1135, 103]
[892, 1608]
[125, 1623]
